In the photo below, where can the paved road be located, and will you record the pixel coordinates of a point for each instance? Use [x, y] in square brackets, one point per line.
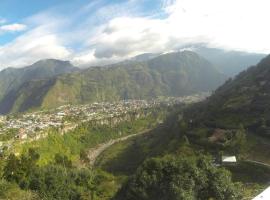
[93, 153]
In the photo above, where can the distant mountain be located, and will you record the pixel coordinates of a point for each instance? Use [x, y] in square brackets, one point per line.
[145, 56]
[139, 58]
[173, 74]
[228, 62]
[242, 100]
[11, 79]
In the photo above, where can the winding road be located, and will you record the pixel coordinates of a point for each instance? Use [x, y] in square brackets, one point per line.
[93, 153]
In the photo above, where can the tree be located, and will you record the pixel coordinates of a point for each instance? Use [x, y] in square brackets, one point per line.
[19, 169]
[183, 127]
[185, 140]
[172, 178]
[62, 160]
[11, 170]
[238, 144]
[84, 156]
[33, 155]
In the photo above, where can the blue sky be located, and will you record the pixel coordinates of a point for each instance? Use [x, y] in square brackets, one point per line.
[18, 11]
[95, 32]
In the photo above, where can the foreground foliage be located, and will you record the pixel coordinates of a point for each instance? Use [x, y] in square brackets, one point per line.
[172, 178]
[57, 180]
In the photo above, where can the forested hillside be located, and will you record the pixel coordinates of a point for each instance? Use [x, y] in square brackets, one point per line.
[13, 79]
[173, 74]
[243, 99]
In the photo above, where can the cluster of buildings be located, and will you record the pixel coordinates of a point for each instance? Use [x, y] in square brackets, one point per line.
[33, 125]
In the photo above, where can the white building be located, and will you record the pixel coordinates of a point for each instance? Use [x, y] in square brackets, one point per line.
[228, 159]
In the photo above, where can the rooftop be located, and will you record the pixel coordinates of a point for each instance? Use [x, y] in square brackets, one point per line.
[227, 159]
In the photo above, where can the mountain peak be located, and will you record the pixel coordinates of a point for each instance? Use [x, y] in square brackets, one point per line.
[145, 56]
[51, 63]
[179, 54]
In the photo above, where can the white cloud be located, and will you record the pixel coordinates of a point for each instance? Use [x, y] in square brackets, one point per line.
[230, 24]
[94, 36]
[34, 45]
[12, 27]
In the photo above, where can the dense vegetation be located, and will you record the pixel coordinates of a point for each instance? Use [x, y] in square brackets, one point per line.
[173, 74]
[172, 178]
[12, 191]
[57, 180]
[243, 99]
[8, 135]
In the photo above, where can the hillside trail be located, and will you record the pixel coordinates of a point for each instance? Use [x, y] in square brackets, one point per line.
[93, 153]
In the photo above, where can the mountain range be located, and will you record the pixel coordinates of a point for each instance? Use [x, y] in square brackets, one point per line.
[51, 83]
[227, 61]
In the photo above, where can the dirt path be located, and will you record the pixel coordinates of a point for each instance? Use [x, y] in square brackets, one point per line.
[93, 153]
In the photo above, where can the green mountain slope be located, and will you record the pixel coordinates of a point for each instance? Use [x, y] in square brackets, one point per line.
[244, 99]
[12, 79]
[173, 74]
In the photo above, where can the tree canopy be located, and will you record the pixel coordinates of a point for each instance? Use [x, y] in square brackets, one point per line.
[172, 178]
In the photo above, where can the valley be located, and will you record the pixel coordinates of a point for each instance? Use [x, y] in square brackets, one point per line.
[112, 140]
[94, 153]
[134, 100]
[168, 75]
[36, 125]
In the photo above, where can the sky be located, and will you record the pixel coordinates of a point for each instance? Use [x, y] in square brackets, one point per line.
[96, 32]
